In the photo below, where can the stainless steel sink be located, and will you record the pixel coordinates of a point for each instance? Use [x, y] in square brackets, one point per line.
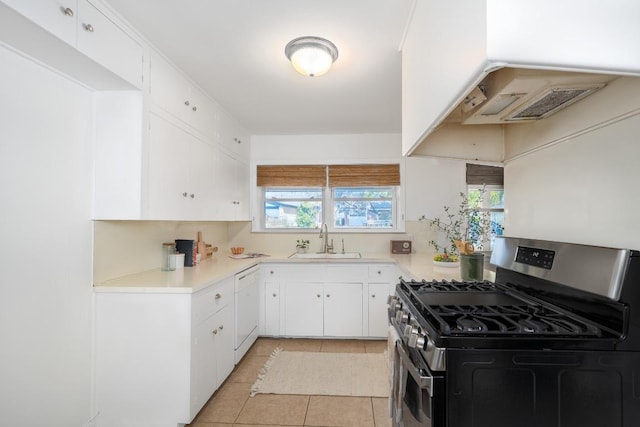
[315, 255]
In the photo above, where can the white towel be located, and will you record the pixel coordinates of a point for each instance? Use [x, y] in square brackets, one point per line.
[396, 369]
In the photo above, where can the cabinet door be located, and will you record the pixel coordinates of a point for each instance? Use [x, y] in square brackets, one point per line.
[241, 191]
[377, 306]
[272, 308]
[224, 357]
[168, 170]
[343, 309]
[108, 45]
[204, 378]
[56, 16]
[168, 89]
[303, 309]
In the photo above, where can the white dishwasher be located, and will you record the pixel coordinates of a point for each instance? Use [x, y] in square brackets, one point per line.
[247, 307]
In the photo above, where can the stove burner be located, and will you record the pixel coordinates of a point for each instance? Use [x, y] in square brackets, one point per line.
[470, 325]
[454, 285]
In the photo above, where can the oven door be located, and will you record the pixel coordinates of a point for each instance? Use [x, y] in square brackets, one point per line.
[418, 395]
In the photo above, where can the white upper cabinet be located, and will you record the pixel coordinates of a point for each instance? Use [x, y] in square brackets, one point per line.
[82, 25]
[171, 91]
[59, 17]
[450, 47]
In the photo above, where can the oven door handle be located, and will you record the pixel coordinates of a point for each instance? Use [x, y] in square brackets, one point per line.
[425, 382]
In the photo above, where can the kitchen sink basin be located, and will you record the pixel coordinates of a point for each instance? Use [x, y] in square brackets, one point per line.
[315, 255]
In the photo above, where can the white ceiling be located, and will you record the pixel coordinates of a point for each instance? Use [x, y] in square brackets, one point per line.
[234, 49]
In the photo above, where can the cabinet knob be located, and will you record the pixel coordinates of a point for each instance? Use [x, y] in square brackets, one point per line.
[221, 327]
[187, 103]
[328, 295]
[379, 271]
[67, 11]
[184, 194]
[214, 332]
[318, 295]
[88, 27]
[271, 272]
[218, 296]
[195, 108]
[193, 196]
[274, 295]
[373, 295]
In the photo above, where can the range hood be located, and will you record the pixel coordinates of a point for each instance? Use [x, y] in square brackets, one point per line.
[511, 95]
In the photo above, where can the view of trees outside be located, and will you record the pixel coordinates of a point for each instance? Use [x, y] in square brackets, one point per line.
[293, 208]
[492, 204]
[363, 207]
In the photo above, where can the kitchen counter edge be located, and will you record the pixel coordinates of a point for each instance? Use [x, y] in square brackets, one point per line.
[209, 272]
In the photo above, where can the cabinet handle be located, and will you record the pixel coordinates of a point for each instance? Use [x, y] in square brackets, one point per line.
[195, 108]
[328, 295]
[318, 295]
[221, 327]
[184, 194]
[218, 296]
[274, 295]
[379, 271]
[193, 196]
[214, 332]
[271, 272]
[67, 11]
[373, 295]
[186, 102]
[88, 27]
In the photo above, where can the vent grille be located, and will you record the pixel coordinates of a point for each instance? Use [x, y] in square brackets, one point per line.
[552, 101]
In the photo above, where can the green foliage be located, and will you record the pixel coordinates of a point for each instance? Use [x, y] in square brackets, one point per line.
[305, 216]
[302, 243]
[468, 223]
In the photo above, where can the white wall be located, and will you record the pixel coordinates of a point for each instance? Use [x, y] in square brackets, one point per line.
[574, 177]
[45, 272]
[129, 247]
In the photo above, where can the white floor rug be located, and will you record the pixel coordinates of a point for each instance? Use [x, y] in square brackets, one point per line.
[314, 373]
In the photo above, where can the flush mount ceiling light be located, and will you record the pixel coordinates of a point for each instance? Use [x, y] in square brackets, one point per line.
[311, 56]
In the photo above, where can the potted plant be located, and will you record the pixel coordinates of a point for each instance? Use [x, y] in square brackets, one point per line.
[302, 245]
[465, 230]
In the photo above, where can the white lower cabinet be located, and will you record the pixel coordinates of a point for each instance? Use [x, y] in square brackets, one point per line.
[377, 307]
[212, 356]
[303, 312]
[160, 356]
[325, 300]
[271, 312]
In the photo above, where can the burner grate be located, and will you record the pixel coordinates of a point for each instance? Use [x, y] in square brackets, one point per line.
[517, 320]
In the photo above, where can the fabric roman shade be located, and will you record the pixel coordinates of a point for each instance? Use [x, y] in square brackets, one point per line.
[291, 175]
[484, 175]
[364, 175]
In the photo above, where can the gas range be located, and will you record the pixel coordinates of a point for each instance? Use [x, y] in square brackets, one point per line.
[559, 320]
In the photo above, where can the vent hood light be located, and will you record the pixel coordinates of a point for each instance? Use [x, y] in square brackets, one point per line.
[499, 103]
[552, 101]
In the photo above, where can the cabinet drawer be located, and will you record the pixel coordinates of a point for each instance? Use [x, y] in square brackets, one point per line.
[382, 273]
[346, 273]
[270, 272]
[208, 301]
[303, 273]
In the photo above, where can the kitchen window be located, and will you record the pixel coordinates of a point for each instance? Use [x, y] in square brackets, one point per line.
[292, 208]
[360, 198]
[489, 199]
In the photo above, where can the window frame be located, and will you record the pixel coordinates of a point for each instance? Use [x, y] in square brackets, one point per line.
[486, 206]
[332, 209]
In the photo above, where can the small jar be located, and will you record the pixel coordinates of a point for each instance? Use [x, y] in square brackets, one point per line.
[167, 261]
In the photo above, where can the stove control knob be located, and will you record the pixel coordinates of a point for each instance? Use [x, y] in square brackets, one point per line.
[409, 331]
[402, 316]
[416, 340]
[391, 300]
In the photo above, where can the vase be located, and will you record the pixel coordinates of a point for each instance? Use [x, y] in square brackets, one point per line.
[472, 266]
[301, 250]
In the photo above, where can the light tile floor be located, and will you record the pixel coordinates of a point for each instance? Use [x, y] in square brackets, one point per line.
[232, 406]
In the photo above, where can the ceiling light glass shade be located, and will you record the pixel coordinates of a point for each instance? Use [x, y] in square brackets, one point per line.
[311, 56]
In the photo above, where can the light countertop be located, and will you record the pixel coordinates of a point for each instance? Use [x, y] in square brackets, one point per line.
[192, 279]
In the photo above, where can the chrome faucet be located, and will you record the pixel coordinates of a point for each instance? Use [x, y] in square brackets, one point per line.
[324, 234]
